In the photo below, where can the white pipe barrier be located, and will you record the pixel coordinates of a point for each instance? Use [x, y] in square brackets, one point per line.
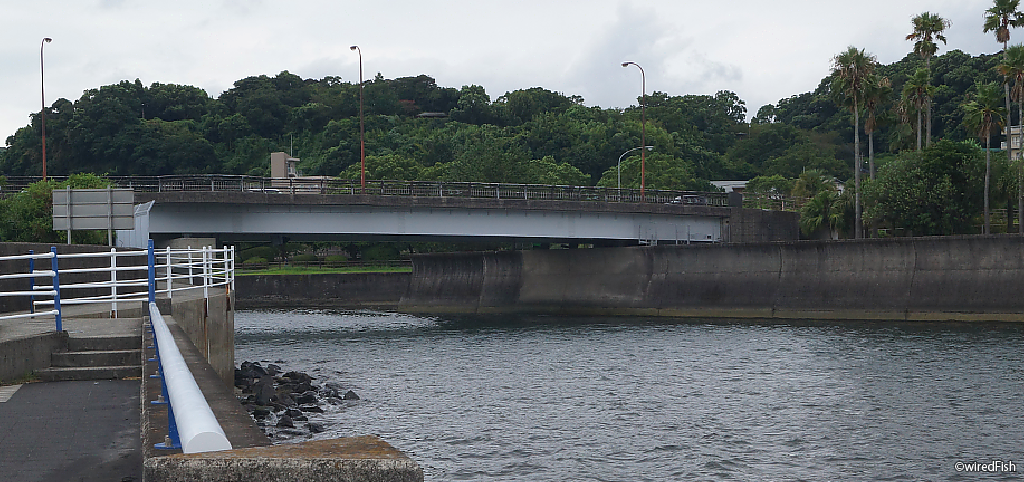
[198, 429]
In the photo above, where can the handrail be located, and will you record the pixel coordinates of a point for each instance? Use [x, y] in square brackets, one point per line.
[195, 426]
[442, 189]
[53, 290]
[127, 281]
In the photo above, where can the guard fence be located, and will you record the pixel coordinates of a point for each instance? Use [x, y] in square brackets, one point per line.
[475, 190]
[135, 276]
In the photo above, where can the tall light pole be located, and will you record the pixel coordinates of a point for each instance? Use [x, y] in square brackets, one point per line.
[362, 132]
[618, 167]
[42, 94]
[643, 125]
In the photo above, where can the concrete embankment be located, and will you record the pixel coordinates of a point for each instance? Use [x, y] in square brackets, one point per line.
[947, 278]
[349, 290]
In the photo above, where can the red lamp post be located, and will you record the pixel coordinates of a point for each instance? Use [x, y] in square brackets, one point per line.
[42, 93]
[362, 132]
[643, 125]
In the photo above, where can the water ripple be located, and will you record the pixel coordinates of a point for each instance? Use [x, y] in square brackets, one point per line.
[530, 398]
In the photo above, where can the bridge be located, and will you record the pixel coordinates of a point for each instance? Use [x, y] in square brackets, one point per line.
[246, 208]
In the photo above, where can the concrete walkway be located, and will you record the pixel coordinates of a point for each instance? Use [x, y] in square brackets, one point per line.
[71, 431]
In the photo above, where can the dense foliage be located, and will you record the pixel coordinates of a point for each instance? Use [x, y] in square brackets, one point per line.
[417, 130]
[27, 215]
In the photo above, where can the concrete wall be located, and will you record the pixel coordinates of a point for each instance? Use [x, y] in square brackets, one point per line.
[756, 226]
[209, 324]
[22, 356]
[962, 278]
[940, 278]
[352, 290]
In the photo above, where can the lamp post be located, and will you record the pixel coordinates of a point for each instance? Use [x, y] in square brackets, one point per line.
[643, 125]
[618, 167]
[42, 94]
[362, 132]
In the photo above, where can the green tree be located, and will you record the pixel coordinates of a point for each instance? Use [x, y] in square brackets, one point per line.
[27, 216]
[916, 91]
[1012, 68]
[928, 28]
[981, 115]
[1000, 18]
[775, 184]
[824, 210]
[664, 172]
[388, 167]
[931, 193]
[876, 92]
[851, 71]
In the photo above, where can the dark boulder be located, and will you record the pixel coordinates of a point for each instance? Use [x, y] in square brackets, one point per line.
[285, 422]
[350, 395]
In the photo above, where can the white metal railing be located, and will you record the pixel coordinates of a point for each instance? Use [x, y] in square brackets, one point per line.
[136, 276]
[176, 270]
[30, 275]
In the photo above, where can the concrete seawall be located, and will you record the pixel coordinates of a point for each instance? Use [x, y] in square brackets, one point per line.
[948, 278]
[353, 290]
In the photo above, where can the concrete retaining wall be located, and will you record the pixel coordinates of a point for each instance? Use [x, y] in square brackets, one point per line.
[22, 356]
[962, 278]
[209, 324]
[351, 290]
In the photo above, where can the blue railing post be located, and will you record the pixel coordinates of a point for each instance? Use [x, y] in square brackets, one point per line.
[172, 442]
[32, 282]
[152, 273]
[56, 288]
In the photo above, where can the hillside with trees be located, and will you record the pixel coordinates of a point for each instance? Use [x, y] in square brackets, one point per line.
[921, 125]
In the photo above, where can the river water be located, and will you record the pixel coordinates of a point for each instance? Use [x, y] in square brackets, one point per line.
[535, 398]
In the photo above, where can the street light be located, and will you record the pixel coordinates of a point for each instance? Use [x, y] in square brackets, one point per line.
[643, 125]
[362, 132]
[618, 167]
[42, 94]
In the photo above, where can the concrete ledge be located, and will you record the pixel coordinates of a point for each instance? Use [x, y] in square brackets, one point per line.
[364, 458]
[238, 426]
[719, 313]
[25, 355]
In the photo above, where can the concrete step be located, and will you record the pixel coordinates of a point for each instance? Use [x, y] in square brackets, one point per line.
[96, 358]
[63, 374]
[104, 343]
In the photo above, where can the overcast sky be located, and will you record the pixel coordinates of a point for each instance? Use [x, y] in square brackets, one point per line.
[763, 50]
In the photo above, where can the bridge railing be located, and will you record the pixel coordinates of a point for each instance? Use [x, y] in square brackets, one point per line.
[474, 190]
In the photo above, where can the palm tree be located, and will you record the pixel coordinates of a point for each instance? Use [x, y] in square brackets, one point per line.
[1013, 68]
[981, 115]
[928, 27]
[877, 91]
[825, 209]
[916, 91]
[851, 70]
[1000, 18]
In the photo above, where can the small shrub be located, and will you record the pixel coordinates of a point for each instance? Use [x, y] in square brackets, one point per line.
[254, 261]
[265, 252]
[305, 258]
[336, 259]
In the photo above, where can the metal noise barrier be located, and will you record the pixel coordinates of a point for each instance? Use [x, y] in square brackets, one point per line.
[198, 429]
